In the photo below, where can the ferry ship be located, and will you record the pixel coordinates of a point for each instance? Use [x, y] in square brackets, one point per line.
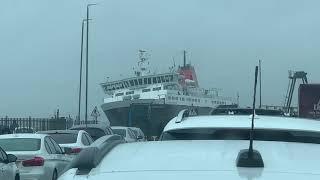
[149, 100]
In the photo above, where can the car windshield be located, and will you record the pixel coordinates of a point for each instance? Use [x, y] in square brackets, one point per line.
[64, 138]
[20, 144]
[95, 133]
[243, 134]
[121, 132]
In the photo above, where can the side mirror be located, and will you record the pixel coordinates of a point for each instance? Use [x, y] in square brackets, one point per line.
[139, 137]
[11, 158]
[67, 150]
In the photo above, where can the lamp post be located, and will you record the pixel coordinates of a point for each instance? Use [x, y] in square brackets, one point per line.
[80, 76]
[87, 59]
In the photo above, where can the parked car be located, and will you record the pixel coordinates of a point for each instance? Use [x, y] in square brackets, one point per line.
[138, 133]
[8, 167]
[126, 132]
[192, 150]
[74, 139]
[94, 130]
[39, 156]
[20, 130]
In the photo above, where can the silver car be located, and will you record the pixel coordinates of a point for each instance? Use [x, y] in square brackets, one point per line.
[39, 156]
[8, 168]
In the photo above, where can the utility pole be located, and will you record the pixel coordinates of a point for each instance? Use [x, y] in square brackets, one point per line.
[87, 59]
[260, 84]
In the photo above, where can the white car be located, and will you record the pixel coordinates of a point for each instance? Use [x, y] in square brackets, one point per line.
[20, 130]
[126, 132]
[39, 156]
[8, 167]
[76, 140]
[206, 148]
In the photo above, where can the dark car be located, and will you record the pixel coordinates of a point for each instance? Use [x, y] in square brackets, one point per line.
[94, 130]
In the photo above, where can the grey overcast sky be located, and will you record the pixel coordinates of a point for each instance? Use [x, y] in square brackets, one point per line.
[40, 46]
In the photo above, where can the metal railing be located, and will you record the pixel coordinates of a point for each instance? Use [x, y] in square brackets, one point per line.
[8, 124]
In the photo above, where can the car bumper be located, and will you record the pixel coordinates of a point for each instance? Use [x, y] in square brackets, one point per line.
[35, 174]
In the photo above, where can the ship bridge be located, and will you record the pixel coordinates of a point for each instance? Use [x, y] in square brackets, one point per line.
[140, 82]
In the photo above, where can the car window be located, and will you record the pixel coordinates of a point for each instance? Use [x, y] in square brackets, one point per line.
[3, 155]
[51, 146]
[64, 138]
[56, 146]
[88, 138]
[131, 134]
[141, 133]
[20, 144]
[121, 132]
[84, 140]
[109, 131]
[135, 132]
[46, 145]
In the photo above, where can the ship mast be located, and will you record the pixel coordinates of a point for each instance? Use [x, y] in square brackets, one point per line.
[143, 64]
[184, 58]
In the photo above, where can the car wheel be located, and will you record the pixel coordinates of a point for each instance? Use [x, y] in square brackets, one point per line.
[17, 177]
[55, 175]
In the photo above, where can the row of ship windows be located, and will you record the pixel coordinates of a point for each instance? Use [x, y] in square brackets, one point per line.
[143, 90]
[194, 100]
[140, 81]
[183, 99]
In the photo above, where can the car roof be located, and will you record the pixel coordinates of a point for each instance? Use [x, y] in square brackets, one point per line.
[100, 126]
[244, 121]
[59, 131]
[24, 135]
[213, 155]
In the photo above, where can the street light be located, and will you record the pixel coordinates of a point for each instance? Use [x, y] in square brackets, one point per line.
[81, 57]
[87, 58]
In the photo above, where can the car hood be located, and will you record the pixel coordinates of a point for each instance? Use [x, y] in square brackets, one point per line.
[300, 158]
[238, 174]
[207, 160]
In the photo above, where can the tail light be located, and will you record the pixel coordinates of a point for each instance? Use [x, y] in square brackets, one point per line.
[36, 161]
[75, 150]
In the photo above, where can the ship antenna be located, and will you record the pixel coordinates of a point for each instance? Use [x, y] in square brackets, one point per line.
[184, 58]
[249, 157]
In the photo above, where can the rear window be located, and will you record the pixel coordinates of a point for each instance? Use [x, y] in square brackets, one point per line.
[243, 134]
[95, 133]
[20, 144]
[64, 138]
[135, 131]
[121, 132]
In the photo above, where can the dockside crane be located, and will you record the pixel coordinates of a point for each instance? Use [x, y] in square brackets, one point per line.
[293, 76]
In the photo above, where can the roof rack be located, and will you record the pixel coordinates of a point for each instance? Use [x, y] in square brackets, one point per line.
[185, 113]
[90, 157]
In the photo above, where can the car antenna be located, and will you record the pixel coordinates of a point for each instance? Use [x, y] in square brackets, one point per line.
[249, 157]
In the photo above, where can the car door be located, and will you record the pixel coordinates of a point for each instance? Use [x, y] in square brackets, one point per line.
[60, 159]
[6, 168]
[51, 158]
